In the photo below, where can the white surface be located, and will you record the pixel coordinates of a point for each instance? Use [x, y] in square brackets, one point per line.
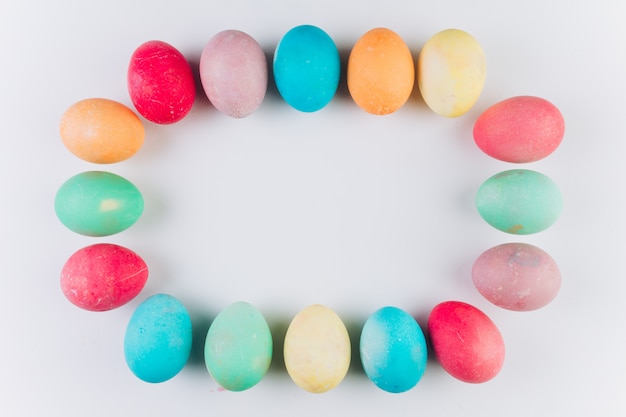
[339, 207]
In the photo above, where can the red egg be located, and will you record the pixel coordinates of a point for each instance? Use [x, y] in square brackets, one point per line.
[160, 82]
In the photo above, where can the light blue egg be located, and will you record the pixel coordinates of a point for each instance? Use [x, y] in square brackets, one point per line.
[307, 68]
[393, 350]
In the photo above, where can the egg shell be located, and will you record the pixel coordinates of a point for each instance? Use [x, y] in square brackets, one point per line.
[238, 347]
[520, 129]
[103, 276]
[519, 201]
[393, 350]
[381, 72]
[160, 82]
[517, 276]
[306, 68]
[101, 131]
[233, 72]
[451, 72]
[317, 349]
[467, 344]
[158, 339]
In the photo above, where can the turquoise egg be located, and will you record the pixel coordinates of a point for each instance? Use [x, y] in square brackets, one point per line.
[393, 350]
[306, 68]
[519, 201]
[98, 203]
[158, 339]
[238, 347]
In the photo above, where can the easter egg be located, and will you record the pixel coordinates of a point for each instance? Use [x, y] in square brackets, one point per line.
[520, 129]
[317, 349]
[160, 82]
[103, 276]
[238, 347]
[381, 72]
[393, 350]
[451, 71]
[517, 276]
[98, 203]
[519, 201]
[233, 72]
[101, 131]
[306, 68]
[467, 344]
[158, 339]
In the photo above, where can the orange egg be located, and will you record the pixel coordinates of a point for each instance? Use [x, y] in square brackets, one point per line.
[380, 71]
[101, 131]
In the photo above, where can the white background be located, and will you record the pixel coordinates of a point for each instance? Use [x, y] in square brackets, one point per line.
[285, 209]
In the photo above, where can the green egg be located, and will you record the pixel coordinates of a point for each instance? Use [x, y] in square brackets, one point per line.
[98, 203]
[519, 201]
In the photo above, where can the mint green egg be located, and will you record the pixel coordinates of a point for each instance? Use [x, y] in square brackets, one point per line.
[238, 347]
[519, 201]
[98, 203]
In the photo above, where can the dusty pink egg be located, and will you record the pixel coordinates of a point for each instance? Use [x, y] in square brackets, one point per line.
[233, 72]
[517, 276]
[520, 129]
[467, 344]
[103, 276]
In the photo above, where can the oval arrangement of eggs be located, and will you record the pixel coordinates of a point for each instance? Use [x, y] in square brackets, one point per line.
[381, 74]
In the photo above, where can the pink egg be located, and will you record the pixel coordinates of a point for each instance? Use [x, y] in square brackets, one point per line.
[467, 344]
[160, 82]
[103, 276]
[519, 129]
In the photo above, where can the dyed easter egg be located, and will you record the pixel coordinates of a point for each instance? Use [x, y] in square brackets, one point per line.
[317, 349]
[101, 131]
[233, 72]
[160, 82]
[98, 203]
[467, 344]
[517, 276]
[519, 201]
[381, 72]
[520, 129]
[238, 347]
[158, 339]
[103, 276]
[451, 71]
[393, 350]
[306, 68]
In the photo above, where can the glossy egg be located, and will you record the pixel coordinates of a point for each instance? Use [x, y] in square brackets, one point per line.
[451, 72]
[393, 350]
[467, 344]
[98, 203]
[233, 72]
[238, 347]
[317, 349]
[158, 339]
[103, 276]
[519, 201]
[306, 68]
[160, 82]
[381, 72]
[101, 131]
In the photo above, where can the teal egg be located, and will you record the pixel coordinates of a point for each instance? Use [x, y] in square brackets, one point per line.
[158, 339]
[306, 68]
[393, 350]
[238, 347]
[519, 201]
[98, 203]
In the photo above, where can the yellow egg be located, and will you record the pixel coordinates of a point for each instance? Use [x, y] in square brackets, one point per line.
[451, 72]
[317, 349]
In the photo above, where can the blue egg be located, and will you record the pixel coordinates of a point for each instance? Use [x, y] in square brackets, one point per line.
[393, 350]
[307, 68]
[158, 339]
